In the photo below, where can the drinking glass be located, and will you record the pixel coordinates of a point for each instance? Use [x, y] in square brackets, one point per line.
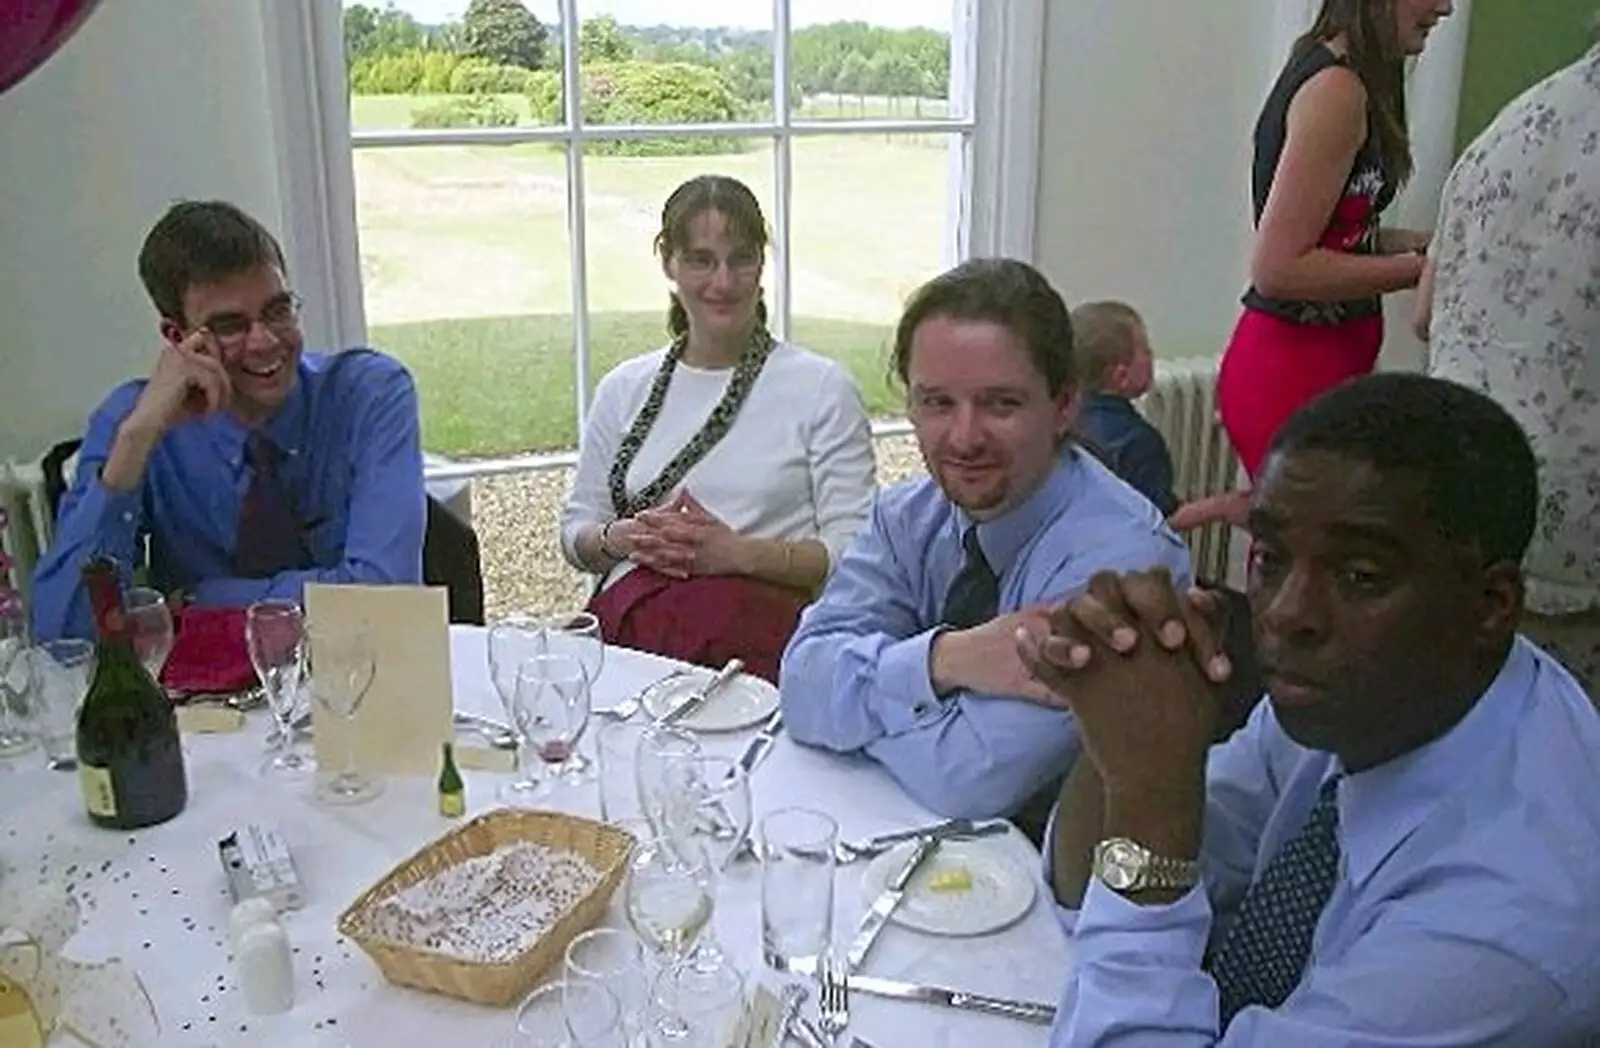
[61, 672]
[708, 798]
[615, 959]
[577, 633]
[697, 1005]
[797, 864]
[552, 705]
[570, 1015]
[342, 666]
[669, 895]
[15, 676]
[510, 644]
[275, 634]
[616, 751]
[659, 743]
[150, 621]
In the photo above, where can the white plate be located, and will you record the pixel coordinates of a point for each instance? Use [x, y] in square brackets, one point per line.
[742, 702]
[1001, 893]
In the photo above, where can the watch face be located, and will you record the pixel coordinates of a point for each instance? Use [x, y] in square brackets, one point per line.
[1121, 864]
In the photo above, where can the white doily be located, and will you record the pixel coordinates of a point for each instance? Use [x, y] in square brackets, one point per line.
[488, 908]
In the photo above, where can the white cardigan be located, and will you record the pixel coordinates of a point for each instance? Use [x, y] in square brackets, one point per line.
[797, 462]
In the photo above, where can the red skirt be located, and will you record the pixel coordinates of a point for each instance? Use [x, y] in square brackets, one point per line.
[1272, 366]
[705, 620]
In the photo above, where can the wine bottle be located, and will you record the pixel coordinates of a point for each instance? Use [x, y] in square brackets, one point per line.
[130, 758]
[452, 794]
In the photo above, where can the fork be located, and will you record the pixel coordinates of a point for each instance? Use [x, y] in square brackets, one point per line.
[833, 1004]
[630, 705]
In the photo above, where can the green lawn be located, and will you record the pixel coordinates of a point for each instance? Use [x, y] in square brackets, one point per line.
[466, 265]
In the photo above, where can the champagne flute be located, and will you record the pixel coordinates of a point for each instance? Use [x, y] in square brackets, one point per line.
[669, 895]
[709, 798]
[14, 738]
[343, 665]
[552, 707]
[151, 622]
[658, 744]
[275, 633]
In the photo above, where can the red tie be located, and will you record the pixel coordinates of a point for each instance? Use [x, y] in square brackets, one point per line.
[268, 540]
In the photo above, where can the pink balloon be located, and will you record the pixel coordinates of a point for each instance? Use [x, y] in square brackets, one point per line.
[31, 30]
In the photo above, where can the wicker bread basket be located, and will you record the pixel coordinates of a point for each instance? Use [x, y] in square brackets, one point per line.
[491, 982]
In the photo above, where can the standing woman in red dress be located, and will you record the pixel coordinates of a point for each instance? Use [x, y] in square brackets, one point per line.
[1331, 151]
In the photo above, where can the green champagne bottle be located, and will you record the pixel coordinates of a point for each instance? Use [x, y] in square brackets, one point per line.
[452, 793]
[130, 757]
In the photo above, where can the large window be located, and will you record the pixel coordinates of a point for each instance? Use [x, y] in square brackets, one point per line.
[506, 215]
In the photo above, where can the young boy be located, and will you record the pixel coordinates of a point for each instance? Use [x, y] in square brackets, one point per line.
[1115, 366]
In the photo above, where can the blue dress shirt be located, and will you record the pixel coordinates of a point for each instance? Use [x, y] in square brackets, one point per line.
[1465, 910]
[351, 465]
[1133, 448]
[855, 675]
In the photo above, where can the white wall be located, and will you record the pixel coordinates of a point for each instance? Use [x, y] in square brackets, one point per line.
[149, 102]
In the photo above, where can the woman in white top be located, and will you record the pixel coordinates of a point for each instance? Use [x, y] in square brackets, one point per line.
[1511, 298]
[720, 478]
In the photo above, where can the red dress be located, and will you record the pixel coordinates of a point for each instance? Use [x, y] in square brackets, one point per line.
[1284, 352]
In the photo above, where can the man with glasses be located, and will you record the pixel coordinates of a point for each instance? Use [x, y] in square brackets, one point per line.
[251, 466]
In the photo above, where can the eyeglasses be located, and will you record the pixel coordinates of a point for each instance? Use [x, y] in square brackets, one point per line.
[281, 316]
[703, 263]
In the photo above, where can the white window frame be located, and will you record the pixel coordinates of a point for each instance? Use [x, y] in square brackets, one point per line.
[994, 167]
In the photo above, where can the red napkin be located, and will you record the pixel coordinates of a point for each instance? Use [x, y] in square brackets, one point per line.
[208, 652]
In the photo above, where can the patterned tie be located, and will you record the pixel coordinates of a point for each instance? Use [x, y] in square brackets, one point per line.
[1263, 956]
[268, 539]
[974, 595]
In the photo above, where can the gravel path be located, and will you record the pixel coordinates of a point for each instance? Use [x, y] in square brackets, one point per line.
[517, 518]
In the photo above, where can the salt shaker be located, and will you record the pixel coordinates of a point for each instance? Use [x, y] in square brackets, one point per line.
[265, 967]
[255, 910]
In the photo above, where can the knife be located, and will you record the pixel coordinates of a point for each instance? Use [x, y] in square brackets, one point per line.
[1027, 1011]
[943, 831]
[873, 920]
[757, 747]
[695, 699]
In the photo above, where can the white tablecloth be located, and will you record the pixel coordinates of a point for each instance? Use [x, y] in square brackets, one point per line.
[157, 897]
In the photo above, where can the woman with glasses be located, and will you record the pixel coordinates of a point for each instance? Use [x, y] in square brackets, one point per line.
[249, 465]
[719, 478]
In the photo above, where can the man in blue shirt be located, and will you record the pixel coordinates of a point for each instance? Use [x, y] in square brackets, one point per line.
[1398, 848]
[908, 656]
[251, 466]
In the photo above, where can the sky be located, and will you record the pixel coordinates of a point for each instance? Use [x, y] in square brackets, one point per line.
[745, 14]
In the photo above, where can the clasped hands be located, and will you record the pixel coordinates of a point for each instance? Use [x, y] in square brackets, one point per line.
[1139, 665]
[680, 538]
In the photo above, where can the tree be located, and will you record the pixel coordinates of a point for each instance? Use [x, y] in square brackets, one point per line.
[369, 32]
[503, 31]
[601, 40]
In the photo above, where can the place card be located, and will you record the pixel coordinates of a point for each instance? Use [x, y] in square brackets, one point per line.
[405, 717]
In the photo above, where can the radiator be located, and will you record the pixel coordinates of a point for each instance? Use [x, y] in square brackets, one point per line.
[1182, 404]
[27, 524]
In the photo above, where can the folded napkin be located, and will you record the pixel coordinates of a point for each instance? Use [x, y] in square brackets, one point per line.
[208, 652]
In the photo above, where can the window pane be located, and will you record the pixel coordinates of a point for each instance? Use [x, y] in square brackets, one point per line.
[853, 61]
[656, 62]
[418, 64]
[466, 273]
[623, 200]
[870, 221]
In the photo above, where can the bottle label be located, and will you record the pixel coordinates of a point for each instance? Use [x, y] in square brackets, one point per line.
[98, 795]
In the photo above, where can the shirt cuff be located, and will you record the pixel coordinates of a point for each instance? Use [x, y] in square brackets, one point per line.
[904, 699]
[1170, 934]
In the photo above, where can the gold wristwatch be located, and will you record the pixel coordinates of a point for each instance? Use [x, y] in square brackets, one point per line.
[1128, 866]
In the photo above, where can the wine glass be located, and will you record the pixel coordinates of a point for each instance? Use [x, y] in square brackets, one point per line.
[708, 798]
[552, 707]
[615, 959]
[700, 1004]
[564, 1014]
[150, 621]
[577, 633]
[16, 673]
[342, 665]
[669, 895]
[658, 744]
[275, 634]
[510, 644]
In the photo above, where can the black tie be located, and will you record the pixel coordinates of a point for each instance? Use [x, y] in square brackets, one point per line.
[974, 595]
[268, 539]
[1263, 957]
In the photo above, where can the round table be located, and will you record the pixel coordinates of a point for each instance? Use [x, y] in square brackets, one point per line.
[157, 898]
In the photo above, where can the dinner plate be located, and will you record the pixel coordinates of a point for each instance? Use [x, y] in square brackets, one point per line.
[744, 701]
[1001, 894]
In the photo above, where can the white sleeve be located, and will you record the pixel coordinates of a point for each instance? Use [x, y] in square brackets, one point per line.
[840, 456]
[589, 498]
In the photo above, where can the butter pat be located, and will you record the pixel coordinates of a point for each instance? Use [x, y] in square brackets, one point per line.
[951, 879]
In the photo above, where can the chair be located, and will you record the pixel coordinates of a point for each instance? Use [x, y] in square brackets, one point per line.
[450, 552]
